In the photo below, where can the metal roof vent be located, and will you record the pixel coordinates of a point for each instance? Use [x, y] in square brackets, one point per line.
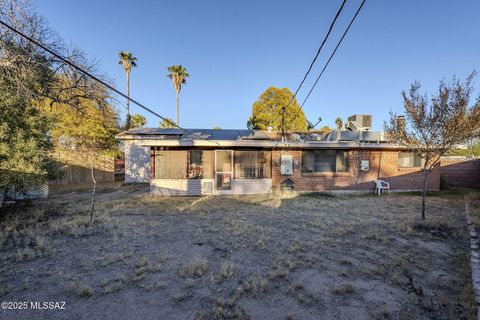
[314, 137]
[295, 137]
[269, 129]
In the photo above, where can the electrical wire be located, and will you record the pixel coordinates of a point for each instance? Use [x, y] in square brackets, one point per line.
[329, 59]
[100, 81]
[315, 58]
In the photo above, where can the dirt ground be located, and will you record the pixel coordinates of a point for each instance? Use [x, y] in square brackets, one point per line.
[312, 256]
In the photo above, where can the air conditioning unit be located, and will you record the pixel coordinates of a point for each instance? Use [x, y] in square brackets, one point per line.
[365, 121]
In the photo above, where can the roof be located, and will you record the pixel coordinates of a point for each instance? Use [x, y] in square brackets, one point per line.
[203, 134]
[227, 138]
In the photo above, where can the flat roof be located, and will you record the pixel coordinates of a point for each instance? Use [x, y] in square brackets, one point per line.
[228, 138]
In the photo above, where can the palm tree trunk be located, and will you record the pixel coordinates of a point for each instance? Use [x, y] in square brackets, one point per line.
[128, 101]
[178, 108]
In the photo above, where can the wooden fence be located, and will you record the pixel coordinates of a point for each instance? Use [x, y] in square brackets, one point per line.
[70, 170]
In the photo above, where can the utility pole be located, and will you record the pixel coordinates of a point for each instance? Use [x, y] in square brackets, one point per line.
[283, 124]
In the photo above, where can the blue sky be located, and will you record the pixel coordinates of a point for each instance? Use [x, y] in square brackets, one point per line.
[234, 50]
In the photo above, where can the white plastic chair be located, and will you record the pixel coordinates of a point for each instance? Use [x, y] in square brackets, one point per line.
[381, 185]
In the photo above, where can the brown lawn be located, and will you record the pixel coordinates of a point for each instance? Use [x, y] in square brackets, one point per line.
[253, 257]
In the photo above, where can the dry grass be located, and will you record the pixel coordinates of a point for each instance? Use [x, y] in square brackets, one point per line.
[227, 270]
[344, 289]
[196, 268]
[230, 257]
[143, 267]
[79, 289]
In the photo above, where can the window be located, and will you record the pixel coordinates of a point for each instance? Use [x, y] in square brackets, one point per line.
[253, 164]
[170, 164]
[410, 160]
[200, 165]
[324, 161]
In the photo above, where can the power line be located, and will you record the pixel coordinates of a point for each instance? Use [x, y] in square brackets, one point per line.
[329, 59]
[99, 80]
[316, 55]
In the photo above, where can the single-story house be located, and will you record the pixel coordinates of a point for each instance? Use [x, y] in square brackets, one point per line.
[206, 161]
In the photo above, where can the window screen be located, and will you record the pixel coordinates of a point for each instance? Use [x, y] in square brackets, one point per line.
[201, 164]
[410, 160]
[253, 164]
[170, 164]
[324, 161]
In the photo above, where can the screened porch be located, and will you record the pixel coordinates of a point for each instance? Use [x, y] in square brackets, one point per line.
[210, 171]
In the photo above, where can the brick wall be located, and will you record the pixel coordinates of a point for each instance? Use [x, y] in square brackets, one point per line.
[461, 173]
[383, 166]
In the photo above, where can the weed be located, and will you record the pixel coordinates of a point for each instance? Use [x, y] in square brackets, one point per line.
[226, 270]
[79, 289]
[181, 296]
[345, 289]
[196, 268]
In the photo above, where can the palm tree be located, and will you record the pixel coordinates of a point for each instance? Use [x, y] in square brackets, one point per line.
[127, 60]
[339, 123]
[179, 76]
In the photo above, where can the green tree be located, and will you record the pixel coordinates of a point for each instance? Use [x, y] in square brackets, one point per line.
[179, 76]
[127, 60]
[167, 123]
[325, 129]
[472, 149]
[90, 135]
[24, 141]
[266, 111]
[32, 82]
[137, 120]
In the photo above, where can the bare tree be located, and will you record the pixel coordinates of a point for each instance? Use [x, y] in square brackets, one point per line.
[434, 126]
[27, 65]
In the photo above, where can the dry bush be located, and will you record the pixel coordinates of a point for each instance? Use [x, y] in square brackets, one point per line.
[226, 270]
[302, 295]
[144, 267]
[282, 267]
[344, 289]
[112, 259]
[181, 295]
[196, 268]
[117, 284]
[222, 310]
[79, 289]
[255, 285]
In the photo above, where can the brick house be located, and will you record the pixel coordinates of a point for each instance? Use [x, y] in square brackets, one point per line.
[205, 161]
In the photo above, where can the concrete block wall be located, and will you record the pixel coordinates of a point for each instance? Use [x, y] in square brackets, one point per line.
[383, 166]
[137, 162]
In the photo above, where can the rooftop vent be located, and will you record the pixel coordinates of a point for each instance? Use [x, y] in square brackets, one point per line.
[314, 137]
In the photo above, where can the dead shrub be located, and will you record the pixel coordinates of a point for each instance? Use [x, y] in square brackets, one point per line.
[196, 268]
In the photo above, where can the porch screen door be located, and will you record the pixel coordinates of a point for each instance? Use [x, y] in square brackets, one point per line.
[223, 170]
